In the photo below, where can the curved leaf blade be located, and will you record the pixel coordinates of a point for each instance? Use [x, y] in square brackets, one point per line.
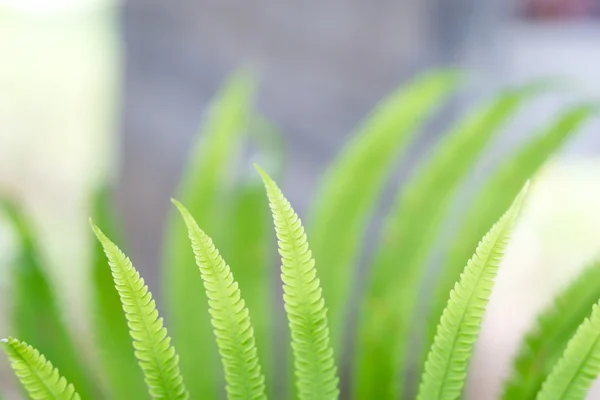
[354, 181]
[35, 315]
[157, 358]
[446, 367]
[579, 366]
[496, 196]
[37, 375]
[410, 230]
[124, 377]
[202, 190]
[545, 343]
[315, 368]
[230, 317]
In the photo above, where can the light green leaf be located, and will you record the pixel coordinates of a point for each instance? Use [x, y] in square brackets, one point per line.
[495, 197]
[410, 230]
[156, 356]
[579, 365]
[353, 183]
[202, 190]
[230, 317]
[37, 375]
[125, 379]
[248, 249]
[545, 343]
[315, 369]
[35, 315]
[446, 367]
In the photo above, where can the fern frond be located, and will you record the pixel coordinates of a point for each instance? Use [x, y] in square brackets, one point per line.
[579, 365]
[156, 356]
[354, 181]
[545, 343]
[230, 317]
[111, 333]
[35, 313]
[495, 197]
[37, 375]
[411, 229]
[315, 368]
[202, 189]
[446, 367]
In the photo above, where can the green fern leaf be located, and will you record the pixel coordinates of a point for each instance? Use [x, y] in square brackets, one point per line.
[579, 365]
[230, 317]
[37, 375]
[495, 197]
[153, 349]
[124, 377]
[356, 178]
[247, 244]
[35, 314]
[202, 190]
[545, 343]
[410, 230]
[446, 367]
[315, 368]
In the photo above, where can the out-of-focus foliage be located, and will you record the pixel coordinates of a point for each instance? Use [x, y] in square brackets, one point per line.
[209, 304]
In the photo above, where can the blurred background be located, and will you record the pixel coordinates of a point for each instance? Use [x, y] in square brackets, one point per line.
[95, 90]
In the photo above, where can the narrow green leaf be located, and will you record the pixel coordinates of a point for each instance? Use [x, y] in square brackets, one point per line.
[410, 230]
[495, 197]
[353, 183]
[37, 375]
[156, 356]
[446, 367]
[125, 379]
[545, 343]
[35, 314]
[248, 250]
[579, 365]
[202, 190]
[315, 369]
[230, 316]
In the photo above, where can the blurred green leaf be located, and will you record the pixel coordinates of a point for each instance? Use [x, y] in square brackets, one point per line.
[201, 190]
[354, 181]
[546, 341]
[495, 197]
[409, 232]
[125, 379]
[35, 315]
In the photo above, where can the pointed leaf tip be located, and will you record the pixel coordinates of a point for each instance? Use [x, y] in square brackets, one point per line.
[262, 172]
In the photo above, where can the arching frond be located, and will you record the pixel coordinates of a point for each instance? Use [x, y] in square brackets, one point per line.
[111, 333]
[446, 367]
[314, 363]
[409, 233]
[545, 343]
[230, 317]
[495, 197]
[37, 375]
[156, 356]
[353, 183]
[579, 365]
